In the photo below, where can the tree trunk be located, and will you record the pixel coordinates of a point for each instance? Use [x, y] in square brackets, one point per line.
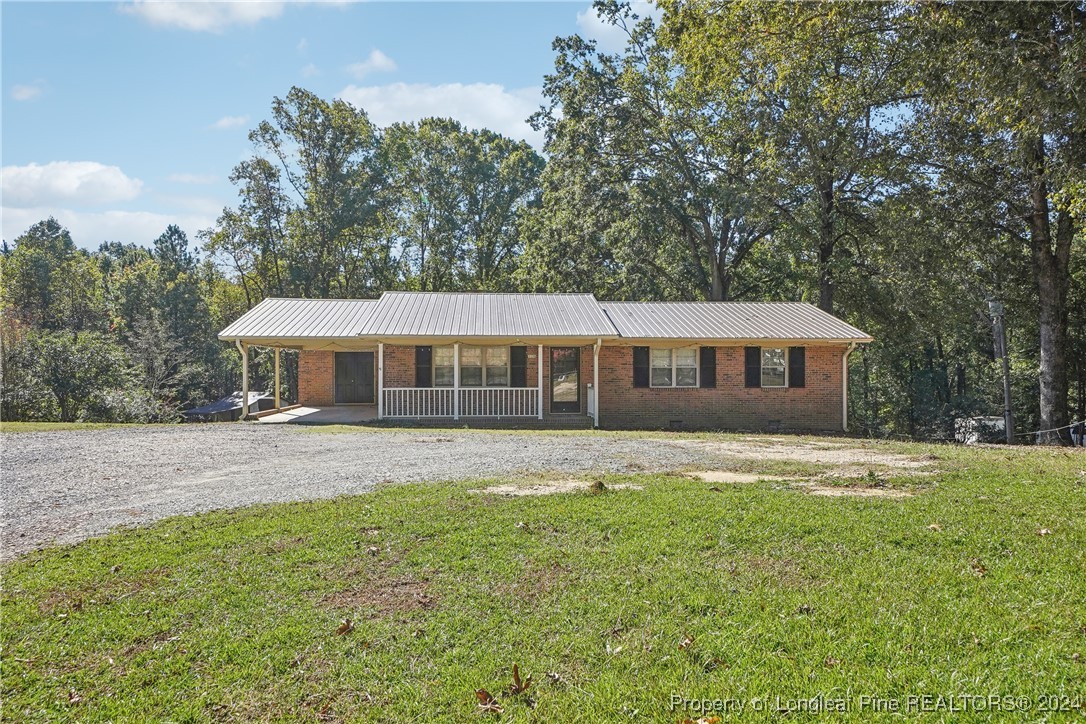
[1050, 266]
[826, 241]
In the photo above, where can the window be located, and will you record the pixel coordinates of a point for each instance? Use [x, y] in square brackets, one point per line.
[444, 366]
[774, 367]
[479, 366]
[660, 374]
[471, 366]
[674, 367]
[497, 366]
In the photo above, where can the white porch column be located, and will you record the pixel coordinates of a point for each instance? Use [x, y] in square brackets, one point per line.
[539, 375]
[277, 405]
[244, 349]
[380, 380]
[456, 381]
[596, 382]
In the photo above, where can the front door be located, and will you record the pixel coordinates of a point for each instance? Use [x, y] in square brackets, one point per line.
[354, 377]
[565, 379]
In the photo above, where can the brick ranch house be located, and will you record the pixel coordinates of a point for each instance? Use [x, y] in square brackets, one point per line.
[563, 359]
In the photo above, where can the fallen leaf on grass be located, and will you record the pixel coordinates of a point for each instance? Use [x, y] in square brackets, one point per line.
[73, 697]
[805, 609]
[345, 628]
[373, 550]
[715, 489]
[1044, 532]
[702, 720]
[487, 702]
[979, 569]
[829, 662]
[935, 527]
[686, 643]
[518, 686]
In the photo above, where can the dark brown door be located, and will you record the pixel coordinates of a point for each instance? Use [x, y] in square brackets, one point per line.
[354, 377]
[565, 379]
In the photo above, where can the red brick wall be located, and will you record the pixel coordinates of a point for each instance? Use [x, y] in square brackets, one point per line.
[316, 378]
[729, 405]
[399, 366]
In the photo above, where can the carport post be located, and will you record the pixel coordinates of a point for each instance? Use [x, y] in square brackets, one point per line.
[539, 375]
[456, 381]
[277, 405]
[380, 380]
[244, 349]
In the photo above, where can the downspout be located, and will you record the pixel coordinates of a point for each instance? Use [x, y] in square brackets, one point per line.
[844, 386]
[596, 382]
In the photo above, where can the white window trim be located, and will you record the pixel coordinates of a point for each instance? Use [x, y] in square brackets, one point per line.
[674, 377]
[761, 369]
[484, 348]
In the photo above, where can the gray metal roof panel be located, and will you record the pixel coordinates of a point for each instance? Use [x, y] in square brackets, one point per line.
[728, 320]
[422, 314]
[301, 318]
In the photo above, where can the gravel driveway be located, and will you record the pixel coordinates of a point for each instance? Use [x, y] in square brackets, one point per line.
[67, 486]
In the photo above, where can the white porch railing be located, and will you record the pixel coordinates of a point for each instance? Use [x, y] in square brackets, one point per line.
[474, 402]
[418, 402]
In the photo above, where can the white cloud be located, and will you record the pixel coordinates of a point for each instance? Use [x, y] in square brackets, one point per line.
[192, 178]
[303, 45]
[229, 122]
[78, 182]
[377, 62]
[476, 105]
[202, 15]
[27, 91]
[89, 229]
[310, 70]
[612, 38]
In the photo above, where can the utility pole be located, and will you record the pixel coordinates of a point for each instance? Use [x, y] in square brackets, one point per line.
[999, 331]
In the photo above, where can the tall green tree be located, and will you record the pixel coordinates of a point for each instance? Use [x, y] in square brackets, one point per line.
[819, 86]
[650, 176]
[1005, 134]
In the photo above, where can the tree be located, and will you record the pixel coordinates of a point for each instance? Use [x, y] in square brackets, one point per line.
[456, 199]
[29, 288]
[76, 367]
[819, 86]
[658, 183]
[1002, 102]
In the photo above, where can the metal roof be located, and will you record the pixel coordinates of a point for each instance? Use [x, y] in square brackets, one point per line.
[422, 314]
[463, 315]
[301, 318]
[729, 320]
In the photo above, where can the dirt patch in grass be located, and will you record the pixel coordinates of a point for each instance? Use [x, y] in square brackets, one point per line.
[552, 487]
[725, 476]
[861, 491]
[844, 457]
[535, 582]
[63, 600]
[383, 597]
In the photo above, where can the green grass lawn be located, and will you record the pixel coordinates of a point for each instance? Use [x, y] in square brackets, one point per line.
[615, 602]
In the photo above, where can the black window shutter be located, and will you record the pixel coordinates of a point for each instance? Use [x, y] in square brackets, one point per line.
[518, 366]
[753, 366]
[640, 366]
[708, 366]
[424, 357]
[797, 366]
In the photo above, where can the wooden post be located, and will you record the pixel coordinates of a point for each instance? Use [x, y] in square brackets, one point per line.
[539, 376]
[456, 381]
[277, 403]
[380, 380]
[244, 349]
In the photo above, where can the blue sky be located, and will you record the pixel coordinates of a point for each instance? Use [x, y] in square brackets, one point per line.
[120, 118]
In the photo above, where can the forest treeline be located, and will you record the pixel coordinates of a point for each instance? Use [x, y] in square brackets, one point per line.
[898, 164]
